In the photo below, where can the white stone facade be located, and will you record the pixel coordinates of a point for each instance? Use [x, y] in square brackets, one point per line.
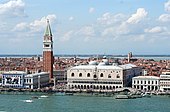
[100, 76]
[13, 79]
[146, 83]
[37, 80]
[165, 81]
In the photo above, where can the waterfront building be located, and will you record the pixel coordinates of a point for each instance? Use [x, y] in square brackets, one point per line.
[146, 83]
[36, 80]
[101, 76]
[13, 79]
[165, 81]
[48, 58]
[60, 76]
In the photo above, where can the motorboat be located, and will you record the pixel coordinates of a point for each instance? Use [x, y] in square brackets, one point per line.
[34, 97]
[124, 97]
[44, 96]
[28, 101]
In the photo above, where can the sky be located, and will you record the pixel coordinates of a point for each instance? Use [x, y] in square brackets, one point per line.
[113, 27]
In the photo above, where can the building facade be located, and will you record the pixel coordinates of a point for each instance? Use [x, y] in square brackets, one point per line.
[146, 83]
[37, 80]
[13, 79]
[102, 76]
[165, 81]
[60, 76]
[48, 58]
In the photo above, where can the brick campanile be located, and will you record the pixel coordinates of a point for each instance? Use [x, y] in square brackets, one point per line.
[48, 58]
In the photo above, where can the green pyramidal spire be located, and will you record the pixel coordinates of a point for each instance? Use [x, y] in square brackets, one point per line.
[48, 29]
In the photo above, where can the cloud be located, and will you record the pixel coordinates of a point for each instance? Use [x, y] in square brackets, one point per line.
[36, 25]
[21, 27]
[91, 10]
[67, 36]
[156, 29]
[71, 18]
[108, 31]
[87, 31]
[117, 30]
[167, 6]
[164, 18]
[13, 8]
[139, 38]
[109, 19]
[138, 16]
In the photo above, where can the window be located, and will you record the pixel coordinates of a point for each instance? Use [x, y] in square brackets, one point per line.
[80, 74]
[109, 76]
[72, 74]
[88, 75]
[101, 75]
[46, 45]
[118, 76]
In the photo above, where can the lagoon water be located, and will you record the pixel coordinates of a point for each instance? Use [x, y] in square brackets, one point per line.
[56, 103]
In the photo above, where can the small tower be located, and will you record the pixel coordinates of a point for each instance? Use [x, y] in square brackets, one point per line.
[48, 58]
[129, 56]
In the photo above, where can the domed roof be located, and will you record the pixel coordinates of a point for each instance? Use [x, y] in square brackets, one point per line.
[106, 61]
[115, 64]
[104, 57]
[93, 63]
[101, 64]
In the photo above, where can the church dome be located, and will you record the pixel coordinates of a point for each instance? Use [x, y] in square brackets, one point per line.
[93, 63]
[101, 64]
[115, 64]
[106, 61]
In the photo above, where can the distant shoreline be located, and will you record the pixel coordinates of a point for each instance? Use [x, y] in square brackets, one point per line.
[79, 55]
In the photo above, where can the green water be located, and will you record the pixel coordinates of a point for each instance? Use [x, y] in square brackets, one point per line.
[55, 103]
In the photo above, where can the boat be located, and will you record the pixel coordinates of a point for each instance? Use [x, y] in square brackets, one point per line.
[136, 95]
[68, 93]
[28, 101]
[124, 97]
[34, 97]
[44, 96]
[148, 95]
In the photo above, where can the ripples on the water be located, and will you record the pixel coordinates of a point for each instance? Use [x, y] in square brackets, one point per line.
[52, 103]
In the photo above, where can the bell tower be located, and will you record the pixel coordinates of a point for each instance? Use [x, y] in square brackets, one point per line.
[48, 58]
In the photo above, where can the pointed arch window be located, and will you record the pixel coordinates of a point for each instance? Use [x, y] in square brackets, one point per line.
[80, 74]
[101, 75]
[118, 76]
[88, 75]
[109, 76]
[72, 74]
